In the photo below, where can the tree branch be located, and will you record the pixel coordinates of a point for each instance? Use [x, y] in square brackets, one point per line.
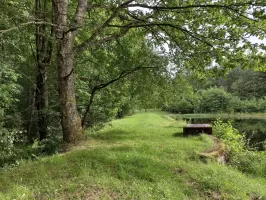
[185, 31]
[79, 15]
[26, 24]
[83, 46]
[105, 39]
[167, 8]
[104, 85]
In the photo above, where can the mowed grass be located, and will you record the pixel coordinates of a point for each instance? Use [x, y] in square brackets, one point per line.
[143, 156]
[222, 115]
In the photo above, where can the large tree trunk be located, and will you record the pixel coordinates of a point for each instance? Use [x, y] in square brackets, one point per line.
[70, 119]
[71, 122]
[43, 61]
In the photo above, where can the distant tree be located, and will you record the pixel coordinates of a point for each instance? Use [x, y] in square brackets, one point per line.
[215, 100]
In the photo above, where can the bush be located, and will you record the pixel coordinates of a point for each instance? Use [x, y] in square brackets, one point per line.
[262, 104]
[9, 89]
[124, 110]
[234, 141]
[236, 105]
[7, 139]
[250, 162]
[186, 104]
[250, 105]
[215, 100]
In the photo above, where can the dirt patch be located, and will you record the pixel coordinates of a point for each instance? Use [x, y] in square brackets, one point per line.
[88, 194]
[99, 194]
[214, 195]
[218, 151]
[206, 194]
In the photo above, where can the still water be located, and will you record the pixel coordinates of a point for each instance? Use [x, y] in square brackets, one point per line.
[253, 129]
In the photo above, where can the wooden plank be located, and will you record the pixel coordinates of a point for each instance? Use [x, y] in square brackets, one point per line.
[198, 125]
[196, 129]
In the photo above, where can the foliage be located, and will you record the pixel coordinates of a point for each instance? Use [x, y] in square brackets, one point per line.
[234, 141]
[48, 146]
[8, 86]
[106, 107]
[211, 100]
[7, 139]
[249, 84]
[245, 160]
[248, 105]
[215, 100]
[182, 98]
[15, 150]
[9, 89]
[114, 37]
[183, 105]
[262, 104]
[140, 88]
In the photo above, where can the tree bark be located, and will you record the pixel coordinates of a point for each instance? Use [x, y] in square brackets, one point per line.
[43, 61]
[88, 109]
[70, 119]
[31, 128]
[42, 102]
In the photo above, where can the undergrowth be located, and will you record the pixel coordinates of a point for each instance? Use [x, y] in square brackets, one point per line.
[238, 154]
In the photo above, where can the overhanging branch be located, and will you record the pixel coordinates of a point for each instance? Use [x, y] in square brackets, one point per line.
[26, 24]
[100, 86]
[83, 46]
[167, 8]
[185, 31]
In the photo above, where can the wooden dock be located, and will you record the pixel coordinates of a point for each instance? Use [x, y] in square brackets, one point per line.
[196, 129]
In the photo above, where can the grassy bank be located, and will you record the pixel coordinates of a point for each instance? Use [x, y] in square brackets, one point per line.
[143, 156]
[222, 115]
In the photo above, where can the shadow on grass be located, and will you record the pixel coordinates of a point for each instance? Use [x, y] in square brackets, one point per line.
[179, 134]
[111, 135]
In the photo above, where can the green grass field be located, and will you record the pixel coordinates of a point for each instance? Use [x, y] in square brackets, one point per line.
[143, 156]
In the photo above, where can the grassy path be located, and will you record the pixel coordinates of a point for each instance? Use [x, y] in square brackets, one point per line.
[140, 157]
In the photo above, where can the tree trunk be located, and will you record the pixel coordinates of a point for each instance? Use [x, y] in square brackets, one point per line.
[43, 61]
[70, 119]
[42, 102]
[88, 109]
[31, 127]
[71, 122]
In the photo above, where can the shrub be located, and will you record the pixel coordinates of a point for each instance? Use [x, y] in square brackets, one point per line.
[262, 104]
[250, 105]
[234, 141]
[250, 162]
[9, 88]
[7, 139]
[215, 100]
[236, 105]
[185, 104]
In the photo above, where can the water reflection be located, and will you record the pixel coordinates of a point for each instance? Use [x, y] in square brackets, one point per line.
[253, 129]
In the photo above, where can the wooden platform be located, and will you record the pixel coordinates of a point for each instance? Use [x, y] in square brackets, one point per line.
[196, 129]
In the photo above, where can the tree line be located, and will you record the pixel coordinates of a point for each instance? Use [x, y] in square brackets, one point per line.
[240, 90]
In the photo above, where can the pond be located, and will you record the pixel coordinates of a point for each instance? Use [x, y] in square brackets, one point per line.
[253, 129]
